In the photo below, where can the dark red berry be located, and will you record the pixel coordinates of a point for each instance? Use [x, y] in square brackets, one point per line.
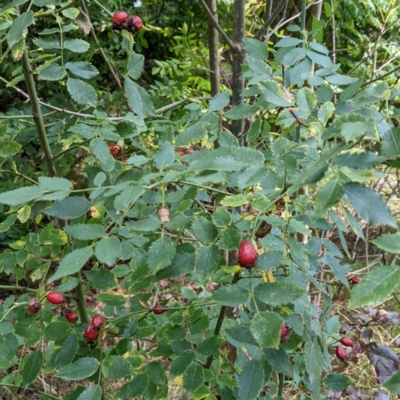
[158, 309]
[97, 321]
[115, 150]
[355, 280]
[340, 353]
[346, 341]
[90, 333]
[247, 254]
[181, 153]
[120, 17]
[55, 298]
[285, 333]
[34, 307]
[72, 317]
[136, 24]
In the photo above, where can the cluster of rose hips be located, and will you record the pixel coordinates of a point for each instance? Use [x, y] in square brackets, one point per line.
[121, 20]
[92, 331]
[340, 352]
[52, 297]
[182, 153]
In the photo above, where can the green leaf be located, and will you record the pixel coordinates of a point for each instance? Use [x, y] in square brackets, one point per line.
[288, 42]
[210, 346]
[313, 360]
[70, 13]
[102, 153]
[353, 223]
[21, 195]
[82, 92]
[387, 242]
[329, 194]
[279, 361]
[101, 279]
[182, 363]
[33, 365]
[135, 388]
[193, 133]
[68, 350]
[108, 250]
[230, 238]
[193, 378]
[148, 224]
[81, 369]
[12, 4]
[93, 392]
[241, 111]
[269, 260]
[9, 148]
[275, 94]
[241, 333]
[137, 160]
[138, 99]
[232, 295]
[116, 367]
[351, 90]
[19, 26]
[375, 287]
[278, 293]
[336, 268]
[135, 65]
[8, 223]
[393, 383]
[52, 72]
[221, 217]
[85, 231]
[306, 99]
[390, 142]
[251, 380]
[207, 261]
[266, 328]
[72, 263]
[165, 156]
[127, 197]
[219, 101]
[251, 176]
[76, 45]
[319, 59]
[47, 44]
[161, 253]
[337, 79]
[337, 382]
[54, 184]
[8, 345]
[255, 48]
[82, 69]
[368, 204]
[111, 299]
[204, 230]
[234, 201]
[358, 160]
[69, 208]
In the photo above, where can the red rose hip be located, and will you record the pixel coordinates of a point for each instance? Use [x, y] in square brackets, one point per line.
[91, 333]
[55, 298]
[72, 317]
[120, 17]
[247, 254]
[346, 341]
[355, 280]
[135, 24]
[97, 321]
[158, 309]
[340, 353]
[285, 333]
[34, 307]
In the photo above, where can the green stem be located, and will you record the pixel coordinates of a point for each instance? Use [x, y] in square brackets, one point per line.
[220, 321]
[46, 395]
[6, 287]
[37, 114]
[303, 17]
[80, 300]
[281, 384]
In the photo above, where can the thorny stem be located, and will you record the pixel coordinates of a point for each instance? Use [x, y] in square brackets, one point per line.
[220, 321]
[37, 114]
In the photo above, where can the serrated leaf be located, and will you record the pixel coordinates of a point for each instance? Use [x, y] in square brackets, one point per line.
[107, 250]
[85, 231]
[375, 287]
[182, 363]
[165, 156]
[69, 208]
[52, 72]
[337, 382]
[135, 388]
[241, 333]
[266, 328]
[313, 360]
[255, 48]
[207, 261]
[148, 224]
[204, 230]
[82, 69]
[72, 263]
[306, 99]
[337, 79]
[329, 194]
[135, 65]
[221, 217]
[116, 367]
[390, 141]
[93, 392]
[389, 243]
[232, 295]
[279, 361]
[335, 267]
[138, 99]
[55, 183]
[193, 378]
[368, 204]
[101, 279]
[269, 260]
[288, 42]
[19, 26]
[21, 195]
[76, 45]
[251, 380]
[278, 293]
[102, 153]
[219, 101]
[393, 383]
[127, 197]
[161, 253]
[8, 223]
[251, 176]
[33, 365]
[193, 133]
[275, 94]
[319, 59]
[362, 160]
[68, 350]
[82, 92]
[230, 239]
[234, 201]
[81, 369]
[241, 111]
[9, 148]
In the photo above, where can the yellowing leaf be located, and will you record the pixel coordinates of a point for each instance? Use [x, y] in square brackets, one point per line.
[178, 380]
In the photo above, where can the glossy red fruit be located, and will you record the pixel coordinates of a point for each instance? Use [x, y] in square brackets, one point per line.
[115, 150]
[181, 153]
[346, 341]
[34, 306]
[91, 333]
[158, 309]
[55, 298]
[97, 321]
[72, 317]
[120, 17]
[340, 353]
[135, 24]
[285, 333]
[247, 254]
[355, 280]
